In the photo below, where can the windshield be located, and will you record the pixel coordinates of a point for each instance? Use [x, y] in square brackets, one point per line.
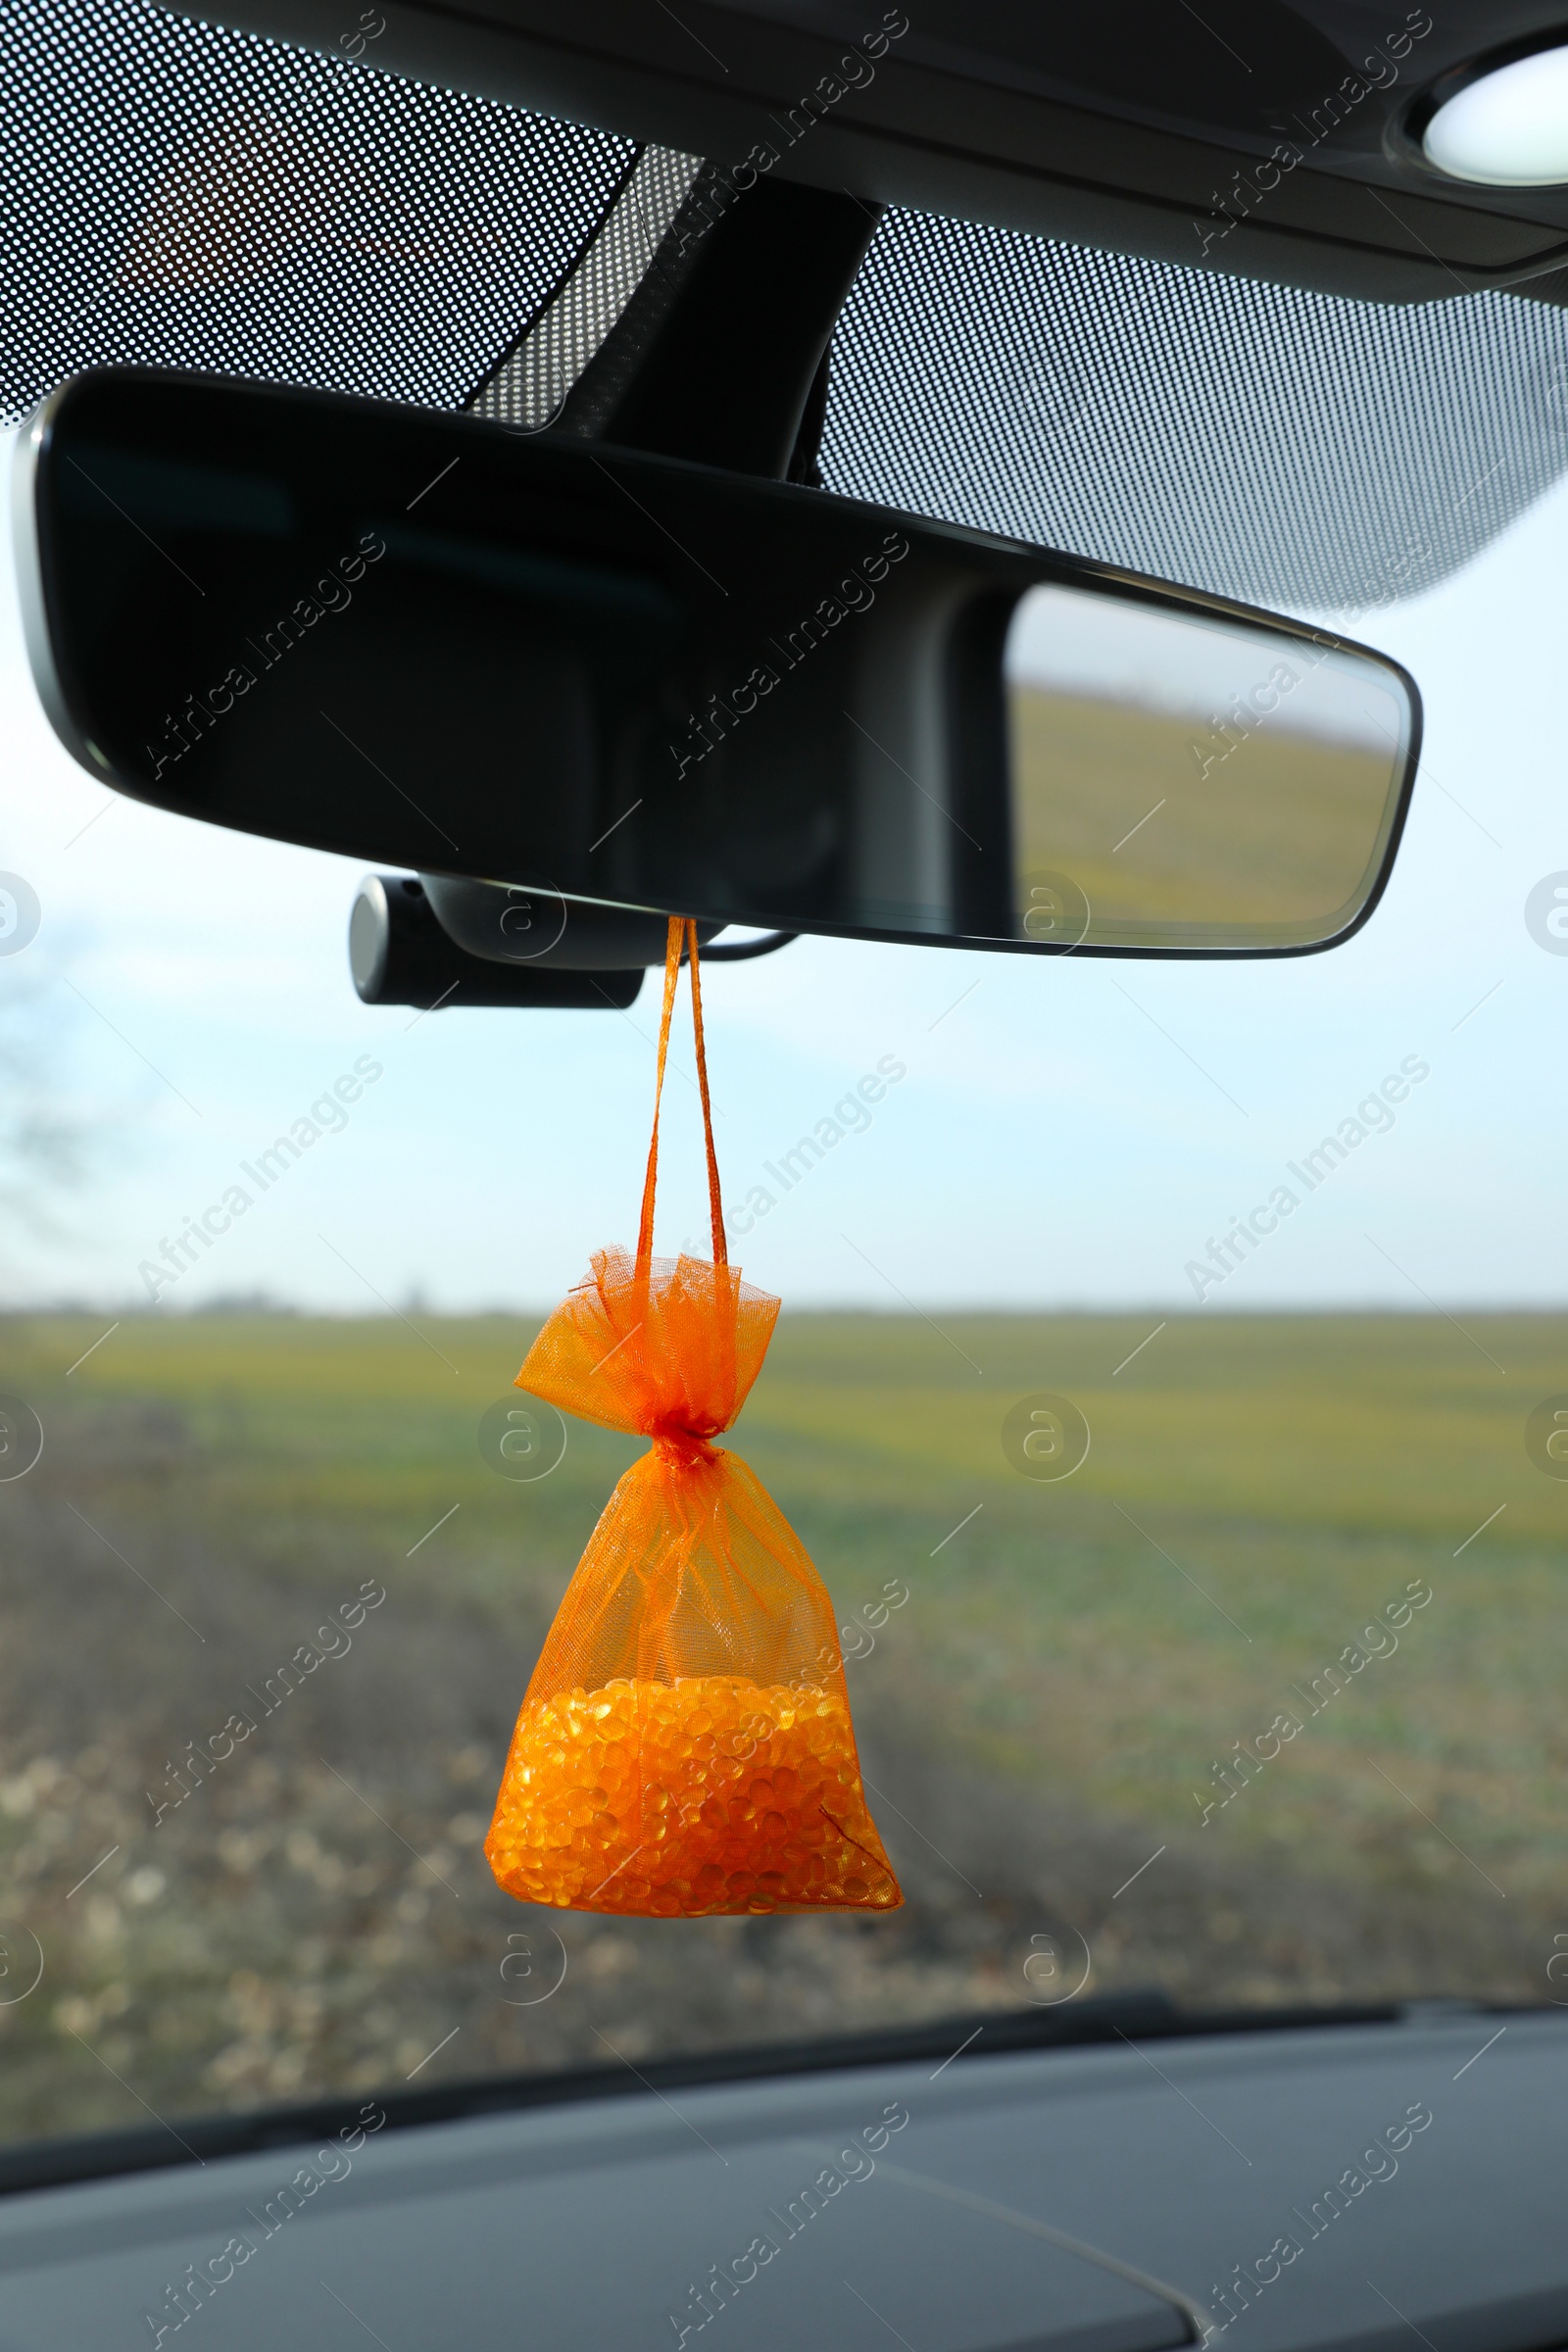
[1170, 1388]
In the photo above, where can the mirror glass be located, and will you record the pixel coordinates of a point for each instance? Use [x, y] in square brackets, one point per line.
[1181, 781]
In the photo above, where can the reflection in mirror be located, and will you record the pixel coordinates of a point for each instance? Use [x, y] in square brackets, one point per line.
[1187, 782]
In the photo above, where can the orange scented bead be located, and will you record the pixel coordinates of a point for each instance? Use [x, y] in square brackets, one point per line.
[572, 1831]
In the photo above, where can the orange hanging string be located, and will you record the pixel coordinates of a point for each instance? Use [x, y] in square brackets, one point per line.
[645, 1228]
[682, 934]
[715, 1206]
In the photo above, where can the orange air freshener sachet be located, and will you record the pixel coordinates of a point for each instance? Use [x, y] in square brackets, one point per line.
[685, 1744]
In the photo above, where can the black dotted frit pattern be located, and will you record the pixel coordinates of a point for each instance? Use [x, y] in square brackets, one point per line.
[1286, 448]
[186, 196]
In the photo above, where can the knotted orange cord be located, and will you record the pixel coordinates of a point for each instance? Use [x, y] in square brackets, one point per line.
[685, 1744]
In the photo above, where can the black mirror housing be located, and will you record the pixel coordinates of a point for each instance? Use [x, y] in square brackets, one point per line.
[434, 642]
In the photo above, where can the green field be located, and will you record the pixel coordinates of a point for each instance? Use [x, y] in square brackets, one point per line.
[1048, 1706]
[1277, 829]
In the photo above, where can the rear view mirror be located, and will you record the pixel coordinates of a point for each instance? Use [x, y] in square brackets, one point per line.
[429, 641]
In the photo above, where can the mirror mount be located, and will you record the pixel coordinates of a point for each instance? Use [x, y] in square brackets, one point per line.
[720, 355]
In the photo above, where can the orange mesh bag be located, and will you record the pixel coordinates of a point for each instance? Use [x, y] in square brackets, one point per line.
[685, 1744]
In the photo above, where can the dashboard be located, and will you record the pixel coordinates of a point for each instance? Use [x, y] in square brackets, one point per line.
[1372, 2188]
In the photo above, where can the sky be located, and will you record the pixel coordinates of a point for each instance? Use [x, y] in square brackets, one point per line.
[1061, 1133]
